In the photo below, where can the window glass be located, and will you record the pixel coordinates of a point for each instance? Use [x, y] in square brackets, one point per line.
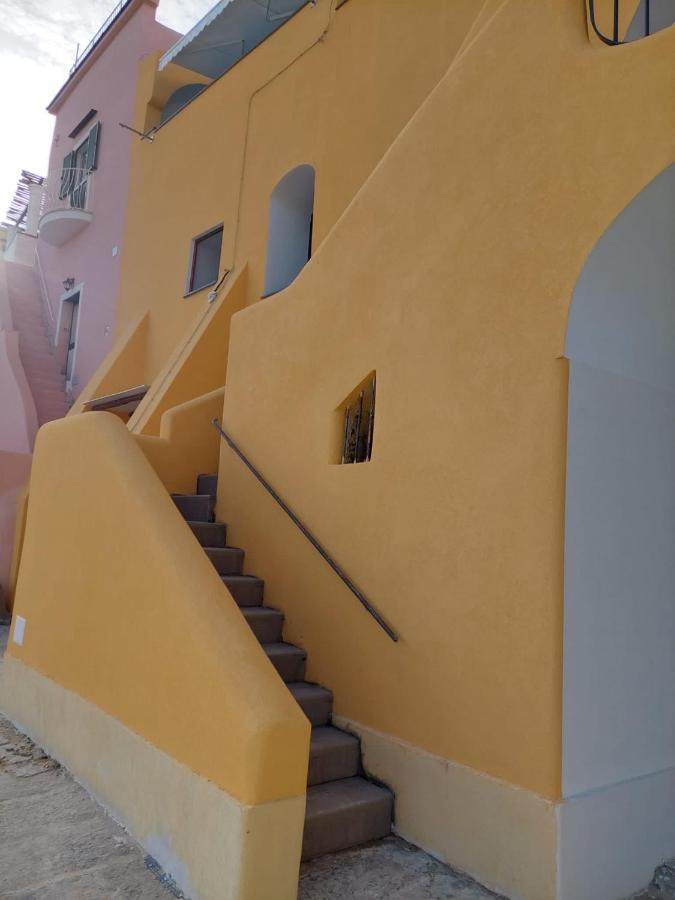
[206, 259]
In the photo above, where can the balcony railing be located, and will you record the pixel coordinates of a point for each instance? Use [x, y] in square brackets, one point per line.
[114, 15]
[649, 17]
[66, 206]
[73, 190]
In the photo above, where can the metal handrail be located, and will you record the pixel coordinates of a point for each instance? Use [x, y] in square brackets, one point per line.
[44, 293]
[367, 605]
[614, 40]
[117, 11]
[59, 190]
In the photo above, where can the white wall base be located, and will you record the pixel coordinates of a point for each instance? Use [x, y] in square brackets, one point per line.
[612, 840]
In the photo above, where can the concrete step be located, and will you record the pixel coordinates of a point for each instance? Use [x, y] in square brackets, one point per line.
[195, 507]
[30, 312]
[287, 659]
[49, 409]
[333, 754]
[43, 361]
[207, 484]
[227, 560]
[31, 332]
[42, 369]
[48, 394]
[266, 624]
[48, 414]
[57, 406]
[39, 353]
[209, 534]
[25, 322]
[315, 701]
[247, 590]
[49, 381]
[343, 814]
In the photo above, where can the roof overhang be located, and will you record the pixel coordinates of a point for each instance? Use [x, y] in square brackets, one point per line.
[227, 33]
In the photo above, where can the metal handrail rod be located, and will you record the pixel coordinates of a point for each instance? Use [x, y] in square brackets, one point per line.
[367, 605]
[45, 294]
[112, 17]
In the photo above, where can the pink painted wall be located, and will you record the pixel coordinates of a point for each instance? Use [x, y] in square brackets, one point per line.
[14, 472]
[18, 417]
[107, 85]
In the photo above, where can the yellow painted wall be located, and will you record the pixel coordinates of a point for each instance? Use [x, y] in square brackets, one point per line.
[450, 275]
[187, 445]
[122, 368]
[345, 94]
[449, 233]
[198, 362]
[124, 609]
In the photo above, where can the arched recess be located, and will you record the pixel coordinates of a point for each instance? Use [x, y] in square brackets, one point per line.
[619, 632]
[180, 97]
[289, 240]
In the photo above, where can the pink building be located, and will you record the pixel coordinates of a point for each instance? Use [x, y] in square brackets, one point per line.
[59, 266]
[79, 243]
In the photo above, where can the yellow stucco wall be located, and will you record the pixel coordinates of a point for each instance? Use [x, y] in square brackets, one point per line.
[333, 99]
[124, 609]
[187, 445]
[450, 275]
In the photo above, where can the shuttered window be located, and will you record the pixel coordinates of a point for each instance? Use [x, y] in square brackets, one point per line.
[92, 147]
[66, 175]
[76, 168]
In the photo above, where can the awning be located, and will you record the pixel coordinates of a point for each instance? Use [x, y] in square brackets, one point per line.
[227, 33]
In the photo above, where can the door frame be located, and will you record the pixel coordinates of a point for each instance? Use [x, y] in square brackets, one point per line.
[68, 297]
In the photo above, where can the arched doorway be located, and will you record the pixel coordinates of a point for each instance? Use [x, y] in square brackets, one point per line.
[619, 632]
[289, 241]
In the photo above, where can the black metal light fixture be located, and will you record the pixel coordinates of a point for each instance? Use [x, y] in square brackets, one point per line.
[68, 284]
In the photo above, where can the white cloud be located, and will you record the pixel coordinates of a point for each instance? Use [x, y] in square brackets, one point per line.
[181, 15]
[38, 42]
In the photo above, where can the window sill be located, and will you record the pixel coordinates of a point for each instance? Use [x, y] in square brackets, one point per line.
[198, 290]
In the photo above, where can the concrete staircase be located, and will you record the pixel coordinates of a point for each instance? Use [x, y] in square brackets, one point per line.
[41, 365]
[343, 808]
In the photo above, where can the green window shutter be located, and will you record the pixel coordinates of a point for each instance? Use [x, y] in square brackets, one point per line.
[92, 147]
[66, 175]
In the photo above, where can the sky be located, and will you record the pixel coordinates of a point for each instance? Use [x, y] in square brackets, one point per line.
[38, 41]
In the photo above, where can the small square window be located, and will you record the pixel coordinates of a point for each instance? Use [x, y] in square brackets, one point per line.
[205, 260]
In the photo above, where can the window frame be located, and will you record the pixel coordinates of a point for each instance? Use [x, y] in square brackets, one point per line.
[192, 259]
[77, 194]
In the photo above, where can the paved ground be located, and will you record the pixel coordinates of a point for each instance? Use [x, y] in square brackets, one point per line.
[55, 842]
[386, 870]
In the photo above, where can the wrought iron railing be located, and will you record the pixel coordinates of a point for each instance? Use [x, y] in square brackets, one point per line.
[367, 605]
[46, 302]
[73, 190]
[615, 18]
[359, 423]
[117, 11]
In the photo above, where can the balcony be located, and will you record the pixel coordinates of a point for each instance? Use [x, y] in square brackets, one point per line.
[65, 211]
